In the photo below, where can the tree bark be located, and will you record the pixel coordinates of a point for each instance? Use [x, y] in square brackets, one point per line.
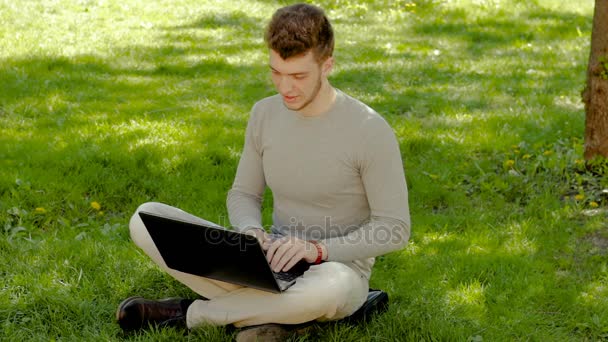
[595, 95]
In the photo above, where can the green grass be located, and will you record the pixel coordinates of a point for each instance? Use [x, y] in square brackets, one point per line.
[122, 102]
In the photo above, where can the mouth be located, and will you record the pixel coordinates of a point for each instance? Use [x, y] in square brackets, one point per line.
[289, 99]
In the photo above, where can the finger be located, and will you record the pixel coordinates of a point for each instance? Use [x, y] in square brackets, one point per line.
[272, 247]
[259, 234]
[267, 237]
[270, 238]
[266, 243]
[286, 257]
[278, 255]
[294, 260]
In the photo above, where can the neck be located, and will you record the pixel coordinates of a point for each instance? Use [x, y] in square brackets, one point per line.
[323, 101]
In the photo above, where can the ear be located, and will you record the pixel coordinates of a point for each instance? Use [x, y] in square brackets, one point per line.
[327, 66]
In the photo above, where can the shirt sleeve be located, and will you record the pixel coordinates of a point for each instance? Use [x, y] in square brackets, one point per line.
[383, 177]
[244, 200]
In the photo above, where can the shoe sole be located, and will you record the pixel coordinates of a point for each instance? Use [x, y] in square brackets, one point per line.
[270, 332]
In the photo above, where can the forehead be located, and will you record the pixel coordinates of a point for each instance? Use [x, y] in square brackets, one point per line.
[292, 65]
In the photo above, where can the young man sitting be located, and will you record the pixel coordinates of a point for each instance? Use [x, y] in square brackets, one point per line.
[339, 193]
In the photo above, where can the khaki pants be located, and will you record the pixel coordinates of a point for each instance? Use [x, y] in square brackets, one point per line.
[328, 291]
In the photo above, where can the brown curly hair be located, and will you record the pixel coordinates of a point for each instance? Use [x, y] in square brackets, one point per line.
[295, 29]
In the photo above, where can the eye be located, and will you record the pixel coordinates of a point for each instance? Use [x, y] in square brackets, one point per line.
[299, 77]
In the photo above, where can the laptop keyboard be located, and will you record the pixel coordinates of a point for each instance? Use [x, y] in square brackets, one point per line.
[286, 276]
[286, 279]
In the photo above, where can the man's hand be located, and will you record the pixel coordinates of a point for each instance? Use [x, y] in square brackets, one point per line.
[283, 253]
[260, 234]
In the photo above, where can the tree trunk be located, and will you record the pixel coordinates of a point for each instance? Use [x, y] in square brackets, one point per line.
[595, 95]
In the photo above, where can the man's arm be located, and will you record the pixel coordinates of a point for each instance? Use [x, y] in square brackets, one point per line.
[244, 200]
[388, 228]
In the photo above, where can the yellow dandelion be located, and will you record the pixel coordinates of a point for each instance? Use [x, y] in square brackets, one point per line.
[40, 210]
[579, 197]
[516, 151]
[509, 163]
[526, 156]
[95, 205]
[548, 153]
[593, 204]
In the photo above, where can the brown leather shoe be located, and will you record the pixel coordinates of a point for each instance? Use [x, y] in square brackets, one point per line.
[136, 313]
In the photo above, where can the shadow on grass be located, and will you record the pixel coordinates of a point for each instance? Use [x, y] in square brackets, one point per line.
[536, 26]
[493, 74]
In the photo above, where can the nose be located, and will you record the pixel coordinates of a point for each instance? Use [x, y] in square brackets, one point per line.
[284, 84]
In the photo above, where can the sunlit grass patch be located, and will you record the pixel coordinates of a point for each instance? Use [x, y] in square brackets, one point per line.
[469, 301]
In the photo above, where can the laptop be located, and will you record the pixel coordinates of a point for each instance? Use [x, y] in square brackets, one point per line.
[215, 252]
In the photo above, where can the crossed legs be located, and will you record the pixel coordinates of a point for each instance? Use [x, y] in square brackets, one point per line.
[328, 291]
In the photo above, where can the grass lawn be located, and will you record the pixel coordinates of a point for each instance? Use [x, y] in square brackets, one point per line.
[108, 104]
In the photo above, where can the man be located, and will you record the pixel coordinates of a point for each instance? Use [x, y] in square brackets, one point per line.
[339, 191]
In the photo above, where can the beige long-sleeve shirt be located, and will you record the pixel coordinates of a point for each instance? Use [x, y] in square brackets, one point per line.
[336, 178]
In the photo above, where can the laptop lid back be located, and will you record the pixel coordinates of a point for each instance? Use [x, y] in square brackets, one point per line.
[210, 252]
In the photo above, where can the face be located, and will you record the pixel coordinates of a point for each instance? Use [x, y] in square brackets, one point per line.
[299, 79]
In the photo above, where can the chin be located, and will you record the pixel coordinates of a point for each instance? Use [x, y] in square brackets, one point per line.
[292, 106]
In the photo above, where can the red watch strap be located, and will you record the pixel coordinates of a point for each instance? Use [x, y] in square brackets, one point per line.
[319, 252]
